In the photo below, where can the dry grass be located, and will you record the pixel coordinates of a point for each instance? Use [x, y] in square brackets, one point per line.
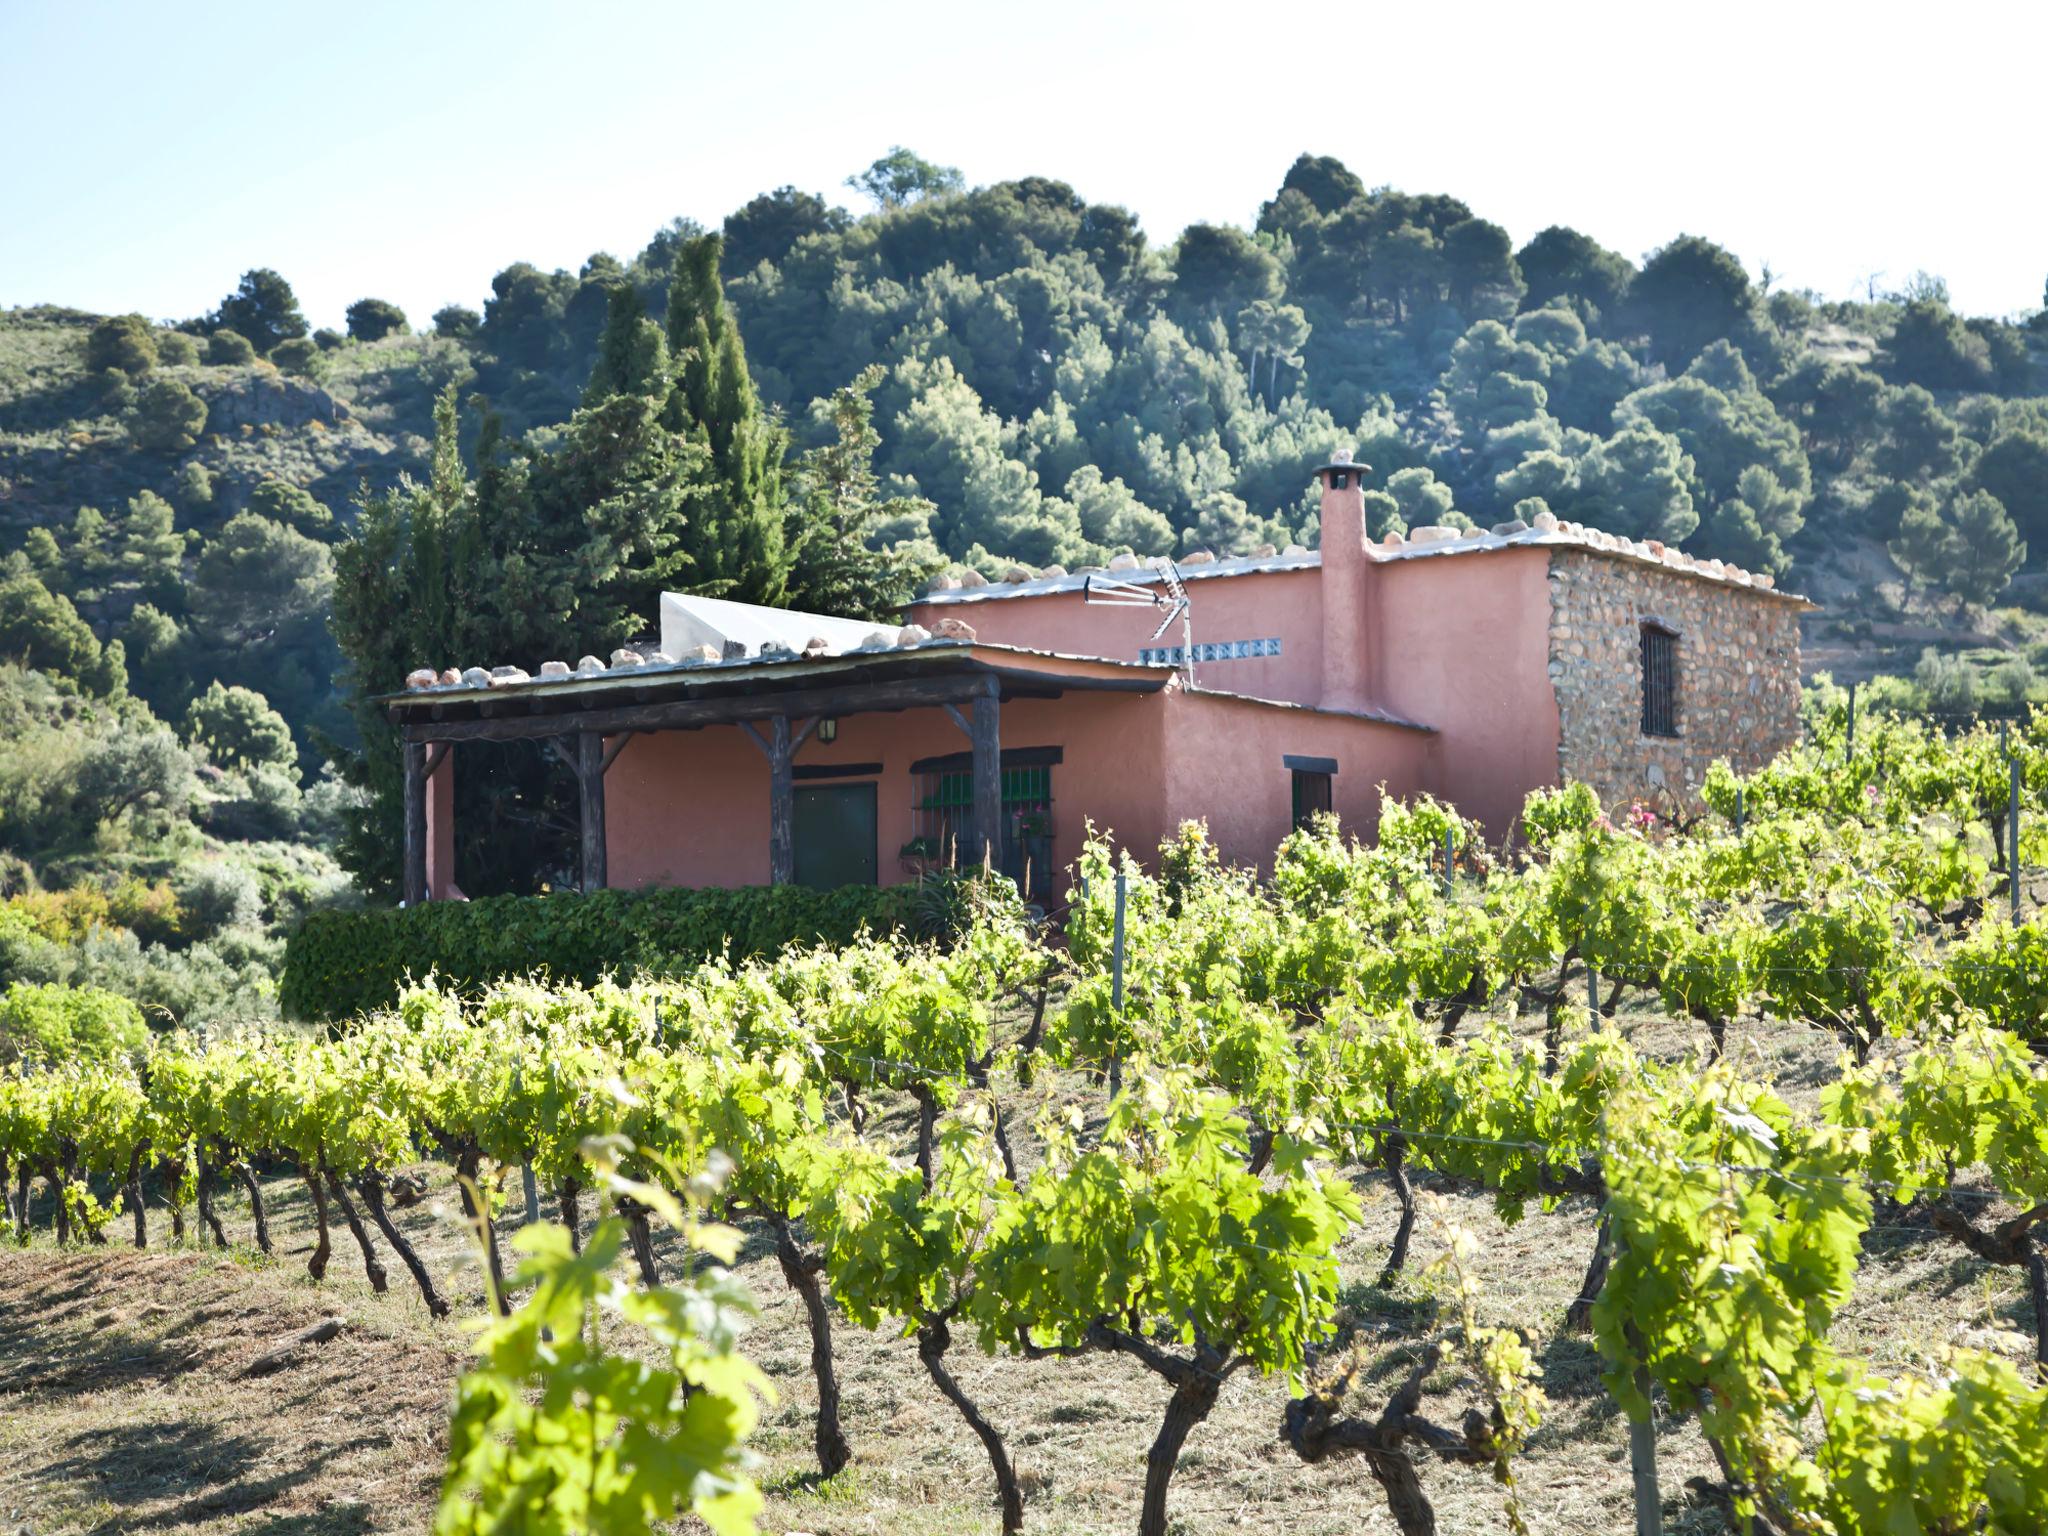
[122, 1411]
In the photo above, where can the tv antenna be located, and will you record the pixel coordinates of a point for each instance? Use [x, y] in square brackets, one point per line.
[1171, 596]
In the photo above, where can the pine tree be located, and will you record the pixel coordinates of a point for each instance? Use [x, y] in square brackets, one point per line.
[841, 508]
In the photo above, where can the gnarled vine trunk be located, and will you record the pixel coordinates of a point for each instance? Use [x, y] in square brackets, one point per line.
[131, 1196]
[571, 1217]
[209, 1222]
[1192, 1400]
[371, 1267]
[933, 1340]
[256, 1212]
[1394, 1158]
[801, 1271]
[372, 1186]
[316, 1266]
[640, 1238]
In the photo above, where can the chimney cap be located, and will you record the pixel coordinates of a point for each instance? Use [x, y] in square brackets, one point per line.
[1341, 459]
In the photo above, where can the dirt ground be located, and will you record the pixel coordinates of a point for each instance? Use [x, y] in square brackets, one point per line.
[122, 1407]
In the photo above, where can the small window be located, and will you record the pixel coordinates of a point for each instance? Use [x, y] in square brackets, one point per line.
[1660, 681]
[1311, 797]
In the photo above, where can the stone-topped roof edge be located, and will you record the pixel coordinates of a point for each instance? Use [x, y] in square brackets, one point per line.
[1428, 541]
[630, 667]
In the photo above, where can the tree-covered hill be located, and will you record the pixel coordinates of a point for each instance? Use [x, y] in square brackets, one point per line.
[1044, 384]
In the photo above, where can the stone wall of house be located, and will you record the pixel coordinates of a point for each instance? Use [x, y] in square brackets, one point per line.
[1738, 676]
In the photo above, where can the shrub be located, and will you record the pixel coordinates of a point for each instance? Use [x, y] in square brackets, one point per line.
[328, 339]
[374, 319]
[300, 355]
[256, 804]
[149, 911]
[174, 349]
[339, 965]
[1949, 682]
[194, 485]
[123, 342]
[46, 1023]
[229, 349]
[217, 896]
[458, 322]
[167, 416]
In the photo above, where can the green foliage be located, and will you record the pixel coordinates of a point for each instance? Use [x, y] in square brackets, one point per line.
[40, 629]
[374, 319]
[167, 417]
[342, 964]
[556, 1429]
[123, 342]
[735, 544]
[458, 322]
[256, 577]
[901, 178]
[54, 1025]
[632, 355]
[230, 349]
[263, 309]
[1688, 295]
[194, 485]
[175, 349]
[237, 728]
[295, 507]
[299, 355]
[839, 517]
[1971, 553]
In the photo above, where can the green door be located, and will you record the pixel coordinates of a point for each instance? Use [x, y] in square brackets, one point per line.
[835, 835]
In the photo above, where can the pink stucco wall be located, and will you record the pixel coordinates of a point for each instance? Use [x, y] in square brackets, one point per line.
[1457, 642]
[1462, 643]
[691, 807]
[441, 829]
[1260, 605]
[1224, 765]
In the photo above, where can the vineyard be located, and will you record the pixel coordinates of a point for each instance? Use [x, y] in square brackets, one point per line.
[1728, 1064]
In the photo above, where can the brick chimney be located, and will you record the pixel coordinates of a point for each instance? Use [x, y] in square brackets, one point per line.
[1344, 581]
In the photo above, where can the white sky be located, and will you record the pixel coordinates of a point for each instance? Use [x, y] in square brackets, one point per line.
[152, 151]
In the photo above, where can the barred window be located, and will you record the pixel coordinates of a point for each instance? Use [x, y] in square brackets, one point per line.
[1660, 681]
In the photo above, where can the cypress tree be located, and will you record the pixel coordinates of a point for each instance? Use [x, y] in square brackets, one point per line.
[632, 356]
[735, 541]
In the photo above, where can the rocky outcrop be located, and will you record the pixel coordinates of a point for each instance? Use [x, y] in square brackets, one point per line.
[260, 397]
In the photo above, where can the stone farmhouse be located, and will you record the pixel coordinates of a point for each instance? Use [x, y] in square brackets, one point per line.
[758, 745]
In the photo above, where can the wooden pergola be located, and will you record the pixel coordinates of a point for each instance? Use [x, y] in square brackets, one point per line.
[778, 702]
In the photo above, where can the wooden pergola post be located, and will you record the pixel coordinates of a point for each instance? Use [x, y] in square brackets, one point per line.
[781, 804]
[590, 766]
[413, 878]
[985, 733]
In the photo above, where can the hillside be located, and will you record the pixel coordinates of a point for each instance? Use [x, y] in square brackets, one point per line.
[1022, 377]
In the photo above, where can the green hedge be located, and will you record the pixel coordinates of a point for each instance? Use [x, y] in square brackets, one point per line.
[339, 965]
